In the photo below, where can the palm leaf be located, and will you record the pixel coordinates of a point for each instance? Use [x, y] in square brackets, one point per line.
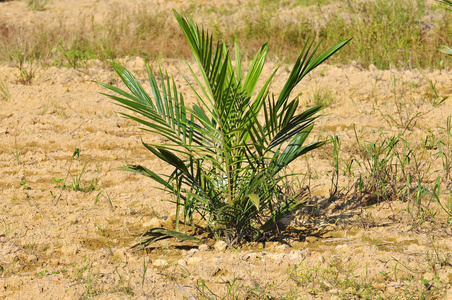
[158, 234]
[306, 62]
[447, 3]
[446, 50]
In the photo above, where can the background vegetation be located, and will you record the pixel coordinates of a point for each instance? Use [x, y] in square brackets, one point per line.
[387, 33]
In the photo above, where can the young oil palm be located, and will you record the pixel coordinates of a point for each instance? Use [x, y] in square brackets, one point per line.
[229, 149]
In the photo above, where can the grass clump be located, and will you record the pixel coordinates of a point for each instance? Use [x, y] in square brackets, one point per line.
[229, 149]
[322, 96]
[5, 94]
[37, 5]
[77, 184]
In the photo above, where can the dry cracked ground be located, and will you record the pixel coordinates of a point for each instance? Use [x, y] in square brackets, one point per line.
[64, 244]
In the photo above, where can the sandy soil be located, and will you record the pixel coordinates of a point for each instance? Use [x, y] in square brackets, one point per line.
[65, 244]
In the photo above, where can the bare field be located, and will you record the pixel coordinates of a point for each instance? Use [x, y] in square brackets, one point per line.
[67, 222]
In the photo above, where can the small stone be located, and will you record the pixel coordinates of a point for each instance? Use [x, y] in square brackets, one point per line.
[190, 252]
[193, 260]
[182, 262]
[32, 258]
[203, 247]
[296, 256]
[69, 249]
[160, 263]
[153, 223]
[277, 256]
[220, 246]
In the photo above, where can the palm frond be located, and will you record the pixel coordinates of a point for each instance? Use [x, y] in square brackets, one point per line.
[306, 62]
[446, 50]
[447, 3]
[158, 234]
